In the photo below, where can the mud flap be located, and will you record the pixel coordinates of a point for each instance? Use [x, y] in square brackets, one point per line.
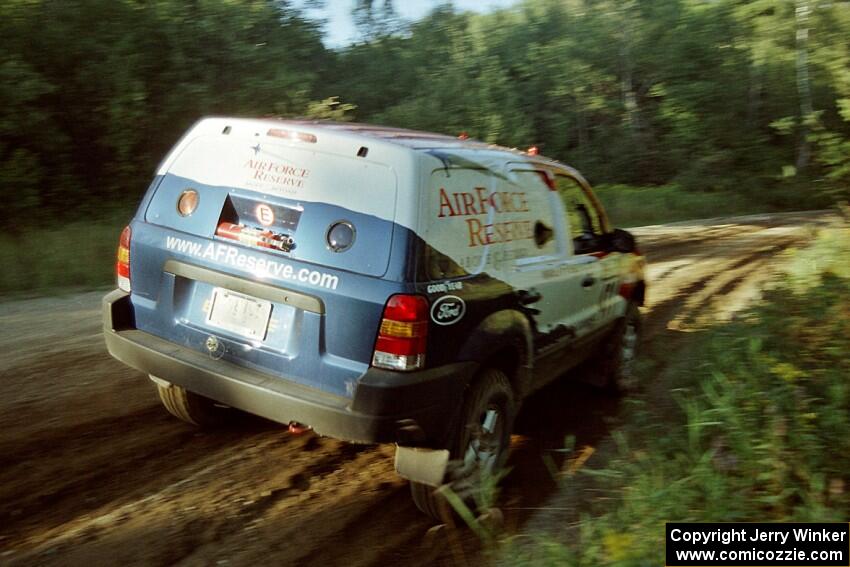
[159, 381]
[426, 466]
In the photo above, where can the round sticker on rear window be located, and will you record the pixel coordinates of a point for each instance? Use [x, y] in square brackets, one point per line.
[448, 310]
[265, 214]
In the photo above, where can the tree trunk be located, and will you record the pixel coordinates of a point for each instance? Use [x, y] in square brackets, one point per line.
[582, 130]
[627, 67]
[754, 94]
[804, 91]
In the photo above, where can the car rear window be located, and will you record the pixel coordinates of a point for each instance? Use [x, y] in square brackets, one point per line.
[309, 193]
[477, 220]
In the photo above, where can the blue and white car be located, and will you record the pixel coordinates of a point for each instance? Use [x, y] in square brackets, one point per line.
[375, 284]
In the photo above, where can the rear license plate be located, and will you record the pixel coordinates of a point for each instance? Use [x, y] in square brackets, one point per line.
[240, 314]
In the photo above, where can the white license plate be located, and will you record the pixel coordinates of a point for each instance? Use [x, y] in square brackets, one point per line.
[240, 314]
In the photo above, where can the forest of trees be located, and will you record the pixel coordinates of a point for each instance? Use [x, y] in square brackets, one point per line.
[712, 95]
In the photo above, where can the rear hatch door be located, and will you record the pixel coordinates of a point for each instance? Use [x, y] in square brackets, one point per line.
[253, 275]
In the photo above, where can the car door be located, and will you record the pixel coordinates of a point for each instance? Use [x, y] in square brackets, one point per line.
[587, 226]
[558, 287]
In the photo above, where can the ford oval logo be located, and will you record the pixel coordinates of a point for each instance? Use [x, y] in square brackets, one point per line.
[448, 310]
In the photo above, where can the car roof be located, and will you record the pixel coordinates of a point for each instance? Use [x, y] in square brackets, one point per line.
[415, 139]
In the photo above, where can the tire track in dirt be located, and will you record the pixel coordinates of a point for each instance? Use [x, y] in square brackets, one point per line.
[280, 496]
[703, 295]
[212, 472]
[136, 487]
[117, 476]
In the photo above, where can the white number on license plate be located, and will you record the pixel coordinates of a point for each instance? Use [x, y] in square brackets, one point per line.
[240, 314]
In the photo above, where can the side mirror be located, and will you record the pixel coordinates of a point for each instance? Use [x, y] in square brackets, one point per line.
[622, 241]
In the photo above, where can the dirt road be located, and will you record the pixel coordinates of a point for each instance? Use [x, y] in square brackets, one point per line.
[93, 471]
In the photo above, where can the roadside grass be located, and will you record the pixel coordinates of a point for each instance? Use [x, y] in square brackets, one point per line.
[80, 255]
[629, 206]
[762, 432]
[77, 255]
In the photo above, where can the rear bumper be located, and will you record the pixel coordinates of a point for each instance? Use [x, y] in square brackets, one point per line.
[382, 399]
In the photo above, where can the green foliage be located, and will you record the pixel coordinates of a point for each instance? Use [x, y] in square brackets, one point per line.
[330, 109]
[77, 255]
[762, 432]
[640, 206]
[96, 91]
[834, 154]
[708, 96]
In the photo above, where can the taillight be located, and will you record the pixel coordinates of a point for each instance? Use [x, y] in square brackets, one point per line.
[403, 336]
[122, 264]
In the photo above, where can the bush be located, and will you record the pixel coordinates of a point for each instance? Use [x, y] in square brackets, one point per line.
[76, 255]
[763, 431]
[638, 206]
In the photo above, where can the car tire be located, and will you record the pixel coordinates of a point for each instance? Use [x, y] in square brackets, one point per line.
[617, 359]
[479, 443]
[191, 407]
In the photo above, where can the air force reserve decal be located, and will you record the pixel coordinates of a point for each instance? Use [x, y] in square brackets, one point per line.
[448, 310]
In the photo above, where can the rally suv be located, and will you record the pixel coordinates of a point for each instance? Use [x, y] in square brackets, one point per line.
[374, 284]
